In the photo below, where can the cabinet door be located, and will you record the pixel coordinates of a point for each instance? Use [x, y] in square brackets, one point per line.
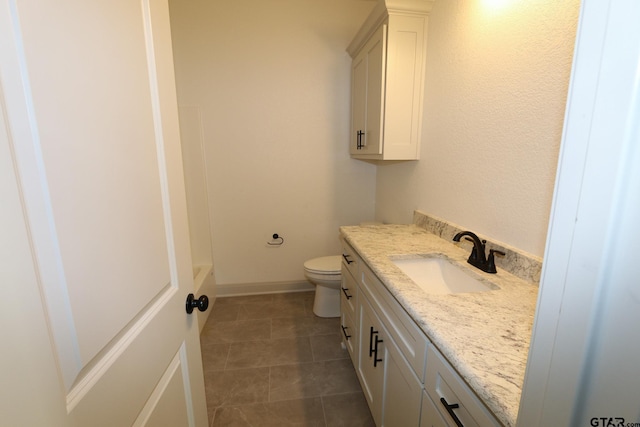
[375, 52]
[358, 102]
[371, 348]
[392, 390]
[405, 333]
[402, 390]
[349, 335]
[367, 95]
[405, 63]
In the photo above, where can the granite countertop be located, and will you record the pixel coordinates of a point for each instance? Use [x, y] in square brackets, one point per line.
[485, 335]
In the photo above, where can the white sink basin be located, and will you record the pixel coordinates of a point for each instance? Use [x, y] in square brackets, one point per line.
[439, 276]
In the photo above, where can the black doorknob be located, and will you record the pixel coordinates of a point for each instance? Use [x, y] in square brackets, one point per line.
[201, 303]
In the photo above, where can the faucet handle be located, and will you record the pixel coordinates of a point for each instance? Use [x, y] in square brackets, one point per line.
[491, 262]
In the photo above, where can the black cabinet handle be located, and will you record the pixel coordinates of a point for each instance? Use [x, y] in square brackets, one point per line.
[344, 331]
[371, 332]
[360, 144]
[375, 352]
[346, 258]
[373, 346]
[344, 290]
[450, 408]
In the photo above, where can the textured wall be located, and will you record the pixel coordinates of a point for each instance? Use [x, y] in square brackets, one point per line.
[272, 81]
[496, 85]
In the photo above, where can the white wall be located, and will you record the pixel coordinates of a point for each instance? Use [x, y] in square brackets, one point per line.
[272, 81]
[495, 92]
[195, 180]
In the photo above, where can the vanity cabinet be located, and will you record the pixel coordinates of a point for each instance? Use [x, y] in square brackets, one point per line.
[405, 379]
[387, 81]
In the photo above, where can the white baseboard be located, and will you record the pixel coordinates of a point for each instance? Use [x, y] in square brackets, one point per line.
[240, 289]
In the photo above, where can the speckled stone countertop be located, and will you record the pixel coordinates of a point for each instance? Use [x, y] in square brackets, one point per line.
[485, 335]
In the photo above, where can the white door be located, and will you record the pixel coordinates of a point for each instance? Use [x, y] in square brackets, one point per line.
[91, 128]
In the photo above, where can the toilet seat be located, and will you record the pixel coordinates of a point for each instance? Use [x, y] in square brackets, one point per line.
[328, 265]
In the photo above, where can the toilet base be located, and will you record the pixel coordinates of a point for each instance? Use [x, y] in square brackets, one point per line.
[326, 302]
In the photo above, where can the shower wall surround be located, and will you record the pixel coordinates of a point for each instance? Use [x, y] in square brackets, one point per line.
[519, 263]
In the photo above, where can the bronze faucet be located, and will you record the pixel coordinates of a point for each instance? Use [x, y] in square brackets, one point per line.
[478, 258]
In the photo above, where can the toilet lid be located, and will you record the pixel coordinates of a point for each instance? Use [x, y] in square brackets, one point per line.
[324, 265]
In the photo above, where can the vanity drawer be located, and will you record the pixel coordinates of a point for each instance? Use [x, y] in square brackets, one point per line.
[349, 335]
[350, 258]
[452, 396]
[348, 293]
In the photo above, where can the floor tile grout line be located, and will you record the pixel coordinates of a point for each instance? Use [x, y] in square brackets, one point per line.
[226, 360]
[269, 387]
[324, 412]
[313, 353]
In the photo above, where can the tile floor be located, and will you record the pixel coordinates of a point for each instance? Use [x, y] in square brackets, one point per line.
[268, 361]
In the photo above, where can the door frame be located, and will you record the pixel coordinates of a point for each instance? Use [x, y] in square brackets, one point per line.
[594, 184]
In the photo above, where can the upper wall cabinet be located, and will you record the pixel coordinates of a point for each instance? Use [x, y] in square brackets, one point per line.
[387, 81]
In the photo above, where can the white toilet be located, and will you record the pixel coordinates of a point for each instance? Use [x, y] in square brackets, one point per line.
[324, 272]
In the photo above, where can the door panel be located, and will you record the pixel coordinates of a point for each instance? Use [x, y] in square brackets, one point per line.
[98, 143]
[371, 376]
[162, 408]
[402, 390]
[29, 378]
[376, 81]
[92, 114]
[358, 101]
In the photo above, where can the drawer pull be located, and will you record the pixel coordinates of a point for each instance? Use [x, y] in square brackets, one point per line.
[344, 331]
[375, 352]
[346, 258]
[450, 408]
[345, 292]
[371, 332]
